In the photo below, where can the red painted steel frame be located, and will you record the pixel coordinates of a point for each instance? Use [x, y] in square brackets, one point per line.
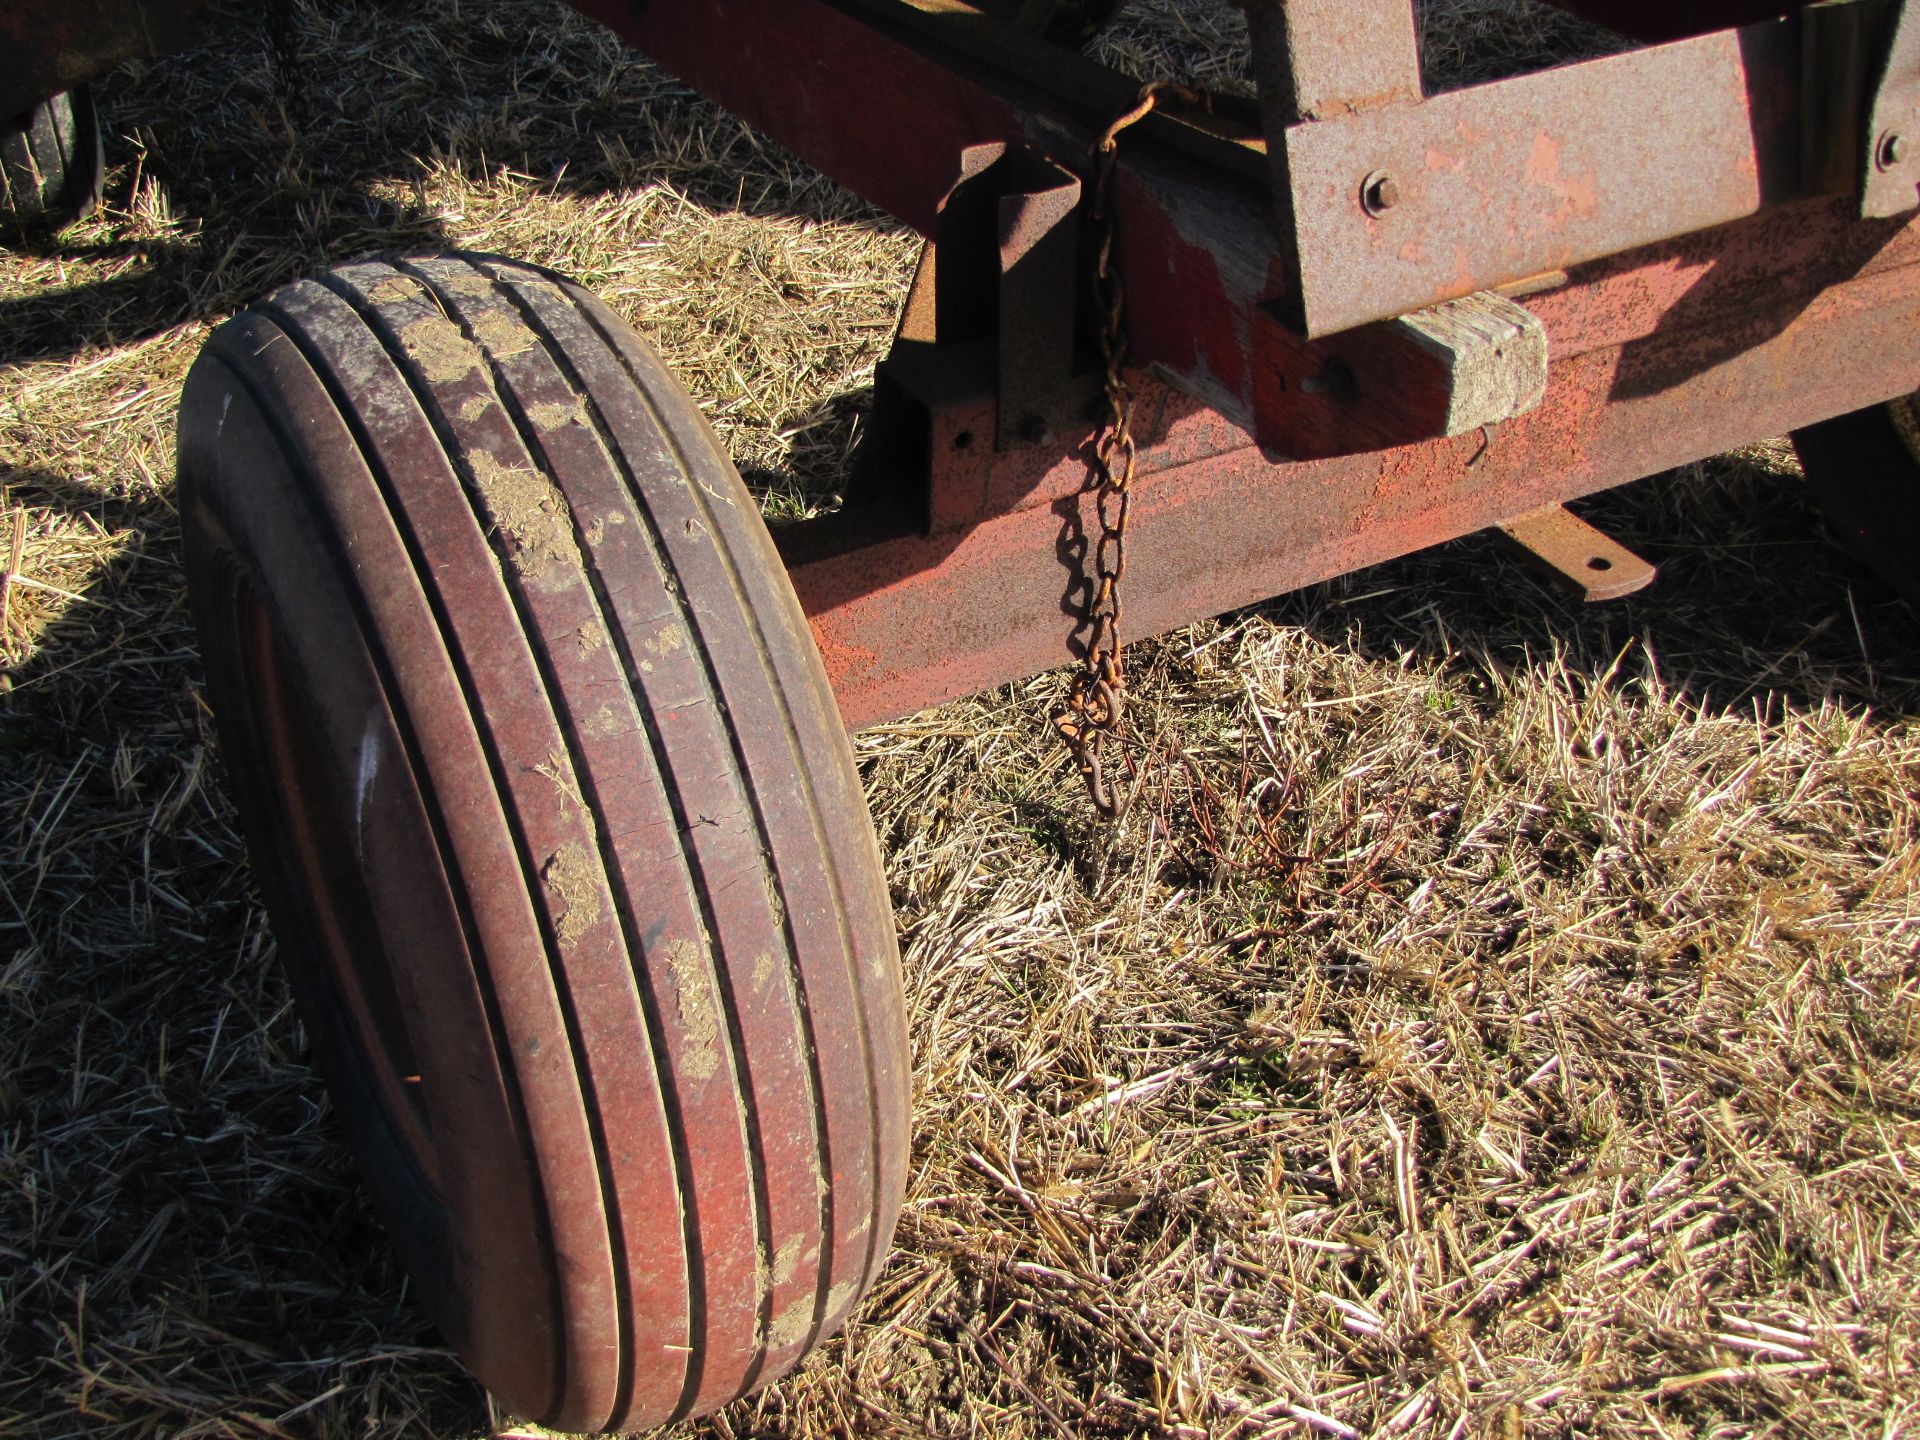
[906, 619]
[1659, 356]
[961, 570]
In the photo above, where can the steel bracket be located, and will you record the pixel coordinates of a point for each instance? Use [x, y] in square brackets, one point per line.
[1003, 265]
[986, 359]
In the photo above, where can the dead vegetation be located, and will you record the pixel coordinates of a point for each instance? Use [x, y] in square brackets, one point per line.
[1495, 1018]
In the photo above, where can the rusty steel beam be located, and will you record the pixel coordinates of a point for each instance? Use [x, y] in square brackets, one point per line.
[874, 93]
[886, 98]
[960, 564]
[882, 95]
[906, 618]
[1892, 132]
[1775, 264]
[1489, 185]
[1316, 59]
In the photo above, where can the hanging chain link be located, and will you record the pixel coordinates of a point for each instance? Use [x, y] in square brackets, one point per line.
[1095, 708]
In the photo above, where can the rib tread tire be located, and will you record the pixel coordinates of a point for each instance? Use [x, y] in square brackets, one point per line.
[664, 914]
[51, 164]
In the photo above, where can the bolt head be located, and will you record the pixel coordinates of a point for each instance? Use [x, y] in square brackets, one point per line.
[1379, 193]
[1894, 150]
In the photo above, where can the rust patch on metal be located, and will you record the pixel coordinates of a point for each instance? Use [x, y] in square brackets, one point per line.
[1570, 551]
[904, 619]
[1502, 181]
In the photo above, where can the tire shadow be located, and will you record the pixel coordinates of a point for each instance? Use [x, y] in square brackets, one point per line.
[187, 1242]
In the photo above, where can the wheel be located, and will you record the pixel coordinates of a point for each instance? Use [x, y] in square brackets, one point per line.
[557, 827]
[1865, 472]
[51, 164]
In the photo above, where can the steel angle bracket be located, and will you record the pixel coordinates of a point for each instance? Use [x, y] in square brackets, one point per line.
[1004, 267]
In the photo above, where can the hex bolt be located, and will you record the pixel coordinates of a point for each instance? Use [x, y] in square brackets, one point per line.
[1893, 150]
[1379, 193]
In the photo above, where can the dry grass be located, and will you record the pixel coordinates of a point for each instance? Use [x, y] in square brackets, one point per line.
[1496, 1018]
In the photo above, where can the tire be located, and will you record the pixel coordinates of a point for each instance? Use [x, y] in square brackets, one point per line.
[1864, 470]
[558, 829]
[51, 164]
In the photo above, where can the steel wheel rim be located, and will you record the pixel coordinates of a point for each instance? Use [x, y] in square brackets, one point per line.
[342, 940]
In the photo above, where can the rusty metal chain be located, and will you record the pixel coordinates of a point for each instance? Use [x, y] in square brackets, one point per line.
[1095, 708]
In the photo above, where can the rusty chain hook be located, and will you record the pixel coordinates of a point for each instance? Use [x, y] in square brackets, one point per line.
[1095, 708]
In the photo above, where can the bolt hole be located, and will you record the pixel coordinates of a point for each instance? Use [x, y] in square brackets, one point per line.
[1599, 562]
[964, 440]
[1335, 380]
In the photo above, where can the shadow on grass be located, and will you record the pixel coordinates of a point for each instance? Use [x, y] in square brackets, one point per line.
[185, 1240]
[302, 134]
[1754, 610]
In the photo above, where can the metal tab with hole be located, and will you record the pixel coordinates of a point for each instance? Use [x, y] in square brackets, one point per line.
[1567, 549]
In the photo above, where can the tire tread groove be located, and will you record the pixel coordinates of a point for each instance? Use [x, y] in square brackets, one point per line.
[827, 851]
[696, 879]
[291, 328]
[420, 390]
[740, 775]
